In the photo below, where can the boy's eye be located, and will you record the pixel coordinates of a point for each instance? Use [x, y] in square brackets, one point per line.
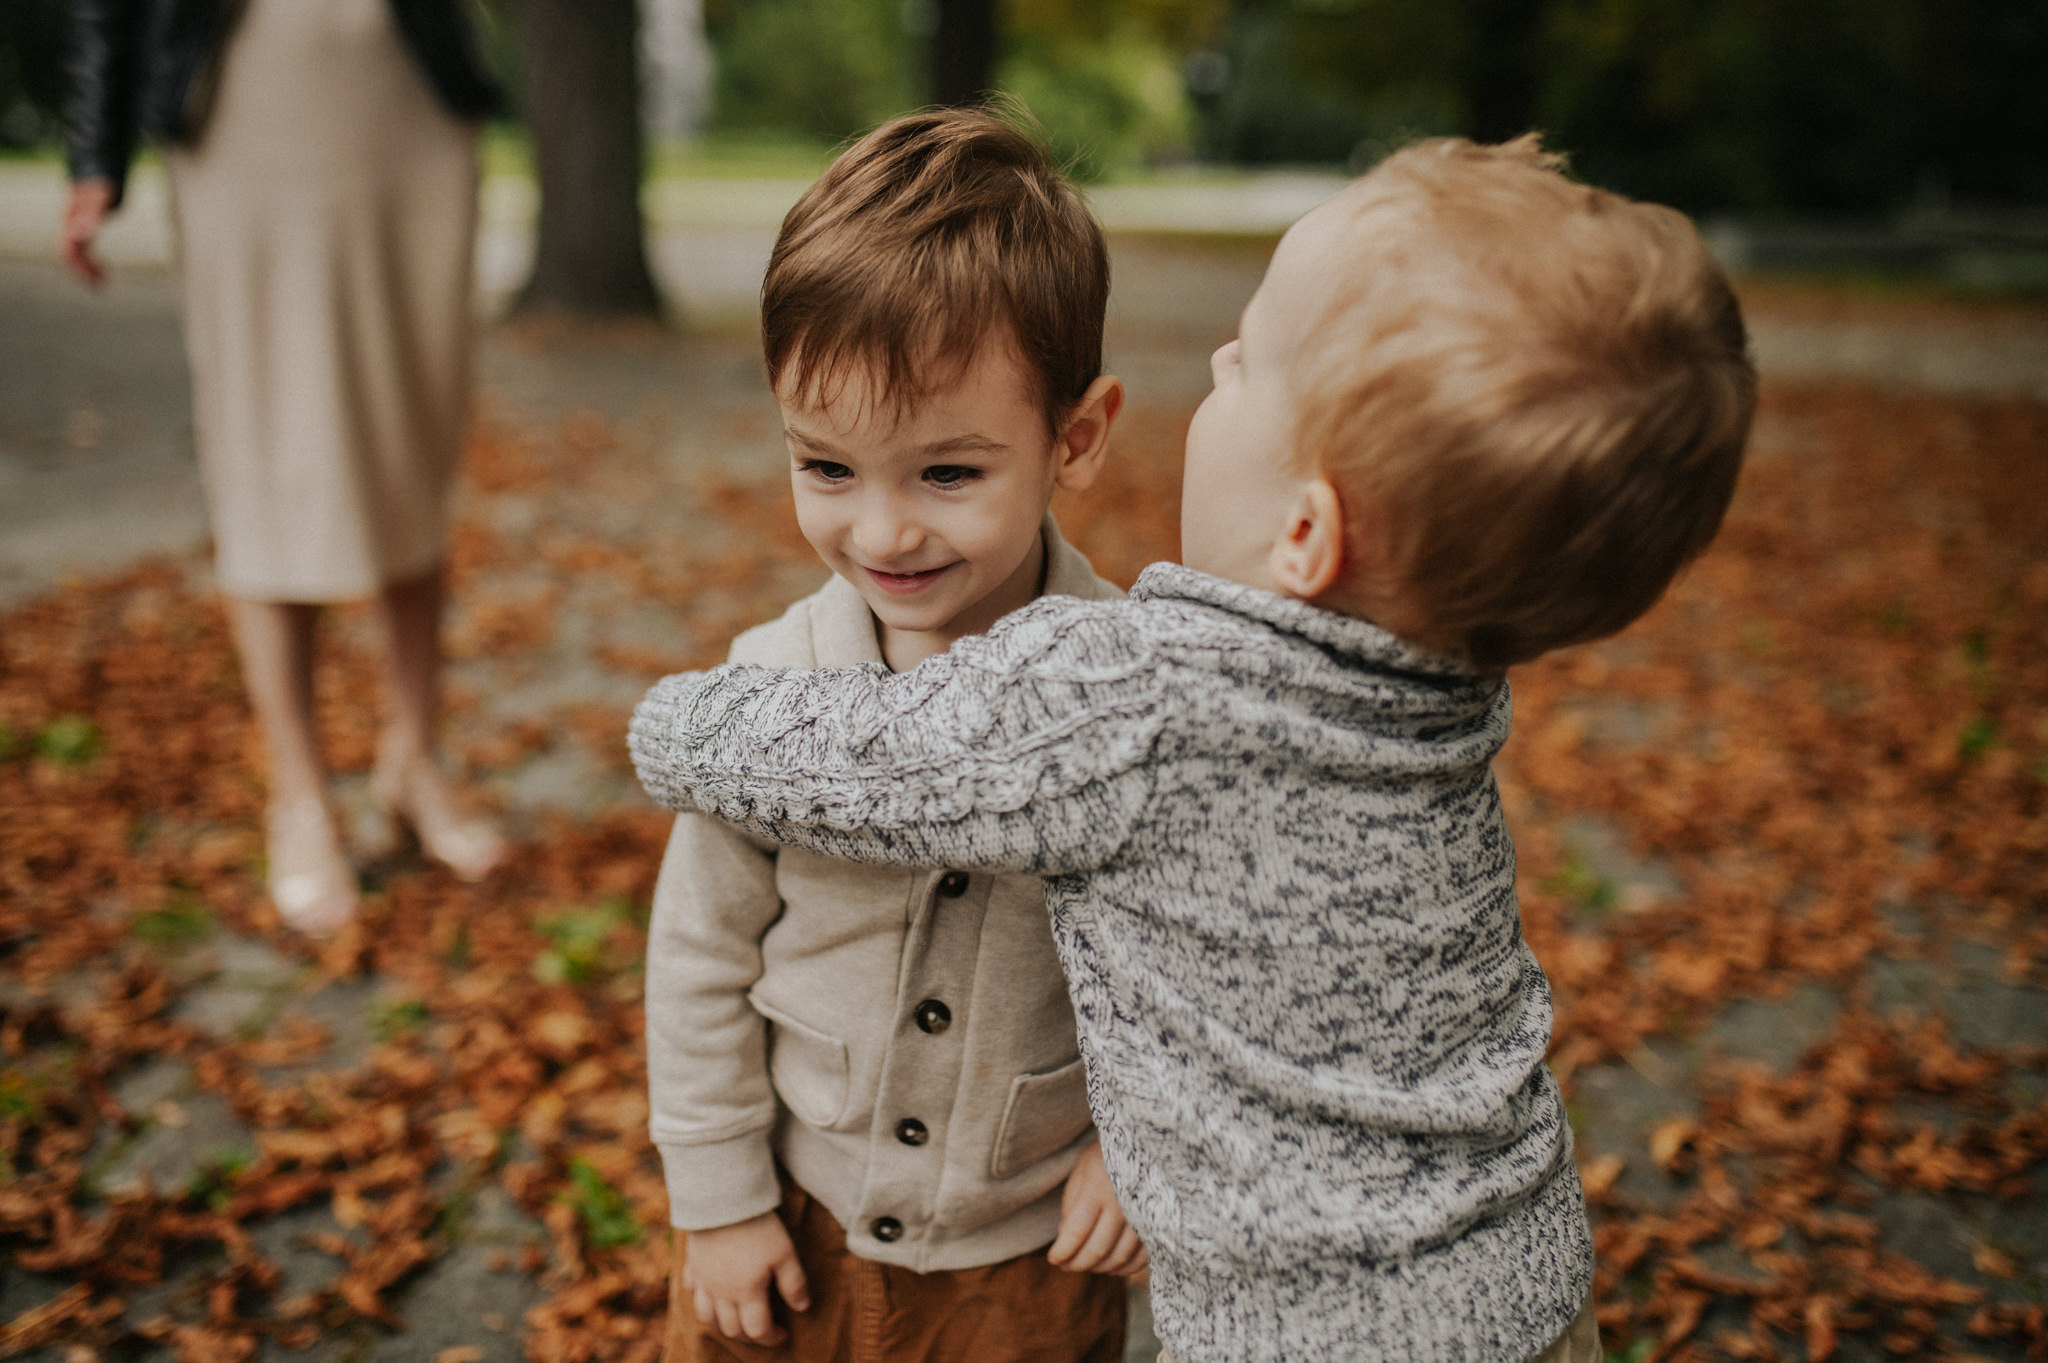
[825, 469]
[951, 475]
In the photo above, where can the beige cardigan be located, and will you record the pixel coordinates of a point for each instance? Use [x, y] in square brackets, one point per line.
[916, 1071]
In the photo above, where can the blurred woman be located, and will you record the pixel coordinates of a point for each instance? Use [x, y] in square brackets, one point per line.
[324, 173]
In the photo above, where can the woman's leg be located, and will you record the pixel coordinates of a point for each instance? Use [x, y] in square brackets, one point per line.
[310, 879]
[412, 674]
[408, 778]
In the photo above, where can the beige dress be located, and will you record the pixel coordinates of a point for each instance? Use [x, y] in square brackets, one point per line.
[326, 219]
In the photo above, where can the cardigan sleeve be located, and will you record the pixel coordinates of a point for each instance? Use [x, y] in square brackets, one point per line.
[712, 1105]
[1025, 750]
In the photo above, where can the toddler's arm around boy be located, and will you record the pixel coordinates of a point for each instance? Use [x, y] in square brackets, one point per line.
[1016, 751]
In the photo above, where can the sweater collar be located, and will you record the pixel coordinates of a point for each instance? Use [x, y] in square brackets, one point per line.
[1350, 635]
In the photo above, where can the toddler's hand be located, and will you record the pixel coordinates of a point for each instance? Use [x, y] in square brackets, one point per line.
[1093, 1235]
[728, 1269]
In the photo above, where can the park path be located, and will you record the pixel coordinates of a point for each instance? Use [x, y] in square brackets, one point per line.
[96, 475]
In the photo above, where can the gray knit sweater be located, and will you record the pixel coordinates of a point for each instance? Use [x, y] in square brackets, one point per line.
[1283, 895]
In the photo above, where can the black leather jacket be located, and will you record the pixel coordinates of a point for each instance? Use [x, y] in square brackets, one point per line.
[146, 68]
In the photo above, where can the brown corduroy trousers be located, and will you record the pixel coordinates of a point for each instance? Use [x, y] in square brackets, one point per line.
[1022, 1310]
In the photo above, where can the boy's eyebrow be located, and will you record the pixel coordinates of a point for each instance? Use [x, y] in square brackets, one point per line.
[963, 444]
[809, 442]
[969, 443]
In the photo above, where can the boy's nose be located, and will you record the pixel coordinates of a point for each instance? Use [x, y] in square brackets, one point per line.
[885, 532]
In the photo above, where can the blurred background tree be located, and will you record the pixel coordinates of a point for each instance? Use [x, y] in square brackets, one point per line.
[581, 60]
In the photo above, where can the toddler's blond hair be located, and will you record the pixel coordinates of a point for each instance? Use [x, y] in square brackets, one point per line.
[1531, 395]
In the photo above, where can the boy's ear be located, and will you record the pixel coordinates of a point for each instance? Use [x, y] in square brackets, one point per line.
[1308, 557]
[1084, 441]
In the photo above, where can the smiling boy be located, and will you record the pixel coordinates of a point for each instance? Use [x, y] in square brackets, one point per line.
[867, 1091]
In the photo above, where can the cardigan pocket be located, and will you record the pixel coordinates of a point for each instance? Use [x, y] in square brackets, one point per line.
[809, 1068]
[1046, 1113]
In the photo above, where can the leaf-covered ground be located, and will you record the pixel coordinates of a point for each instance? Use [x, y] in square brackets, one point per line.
[1784, 854]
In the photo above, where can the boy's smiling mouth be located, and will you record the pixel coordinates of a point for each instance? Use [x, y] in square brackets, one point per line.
[903, 584]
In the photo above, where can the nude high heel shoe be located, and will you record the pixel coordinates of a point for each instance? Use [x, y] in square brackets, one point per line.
[409, 788]
[310, 880]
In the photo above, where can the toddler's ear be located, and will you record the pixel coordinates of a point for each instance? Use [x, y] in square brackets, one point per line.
[1084, 439]
[1308, 557]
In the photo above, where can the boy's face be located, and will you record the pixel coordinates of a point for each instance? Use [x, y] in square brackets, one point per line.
[1242, 478]
[933, 514]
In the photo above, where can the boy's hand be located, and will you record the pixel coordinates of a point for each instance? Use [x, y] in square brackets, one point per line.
[1093, 1235]
[728, 1268]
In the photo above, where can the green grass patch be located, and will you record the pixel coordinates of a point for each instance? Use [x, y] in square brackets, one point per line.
[743, 156]
[579, 943]
[506, 150]
[395, 1018]
[21, 1096]
[608, 1223]
[70, 740]
[459, 947]
[1978, 735]
[1588, 891]
[174, 927]
[214, 1183]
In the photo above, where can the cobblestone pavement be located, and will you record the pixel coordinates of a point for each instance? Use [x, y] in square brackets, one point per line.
[96, 472]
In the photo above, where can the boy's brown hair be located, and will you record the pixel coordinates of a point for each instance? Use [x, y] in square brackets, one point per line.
[1533, 400]
[930, 236]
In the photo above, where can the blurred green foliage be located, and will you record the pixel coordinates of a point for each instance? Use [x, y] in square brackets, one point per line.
[32, 81]
[1107, 81]
[1106, 106]
[1759, 106]
[822, 68]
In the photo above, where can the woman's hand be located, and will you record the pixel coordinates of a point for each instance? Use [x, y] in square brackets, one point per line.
[728, 1270]
[86, 212]
[1093, 1235]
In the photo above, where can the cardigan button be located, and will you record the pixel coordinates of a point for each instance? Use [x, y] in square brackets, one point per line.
[887, 1229]
[933, 1017]
[911, 1131]
[953, 884]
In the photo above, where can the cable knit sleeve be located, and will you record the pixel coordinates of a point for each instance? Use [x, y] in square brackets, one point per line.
[1022, 750]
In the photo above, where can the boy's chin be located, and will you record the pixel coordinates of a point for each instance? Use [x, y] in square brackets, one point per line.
[905, 617]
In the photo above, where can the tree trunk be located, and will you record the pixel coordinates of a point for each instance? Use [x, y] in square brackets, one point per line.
[963, 52]
[583, 106]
